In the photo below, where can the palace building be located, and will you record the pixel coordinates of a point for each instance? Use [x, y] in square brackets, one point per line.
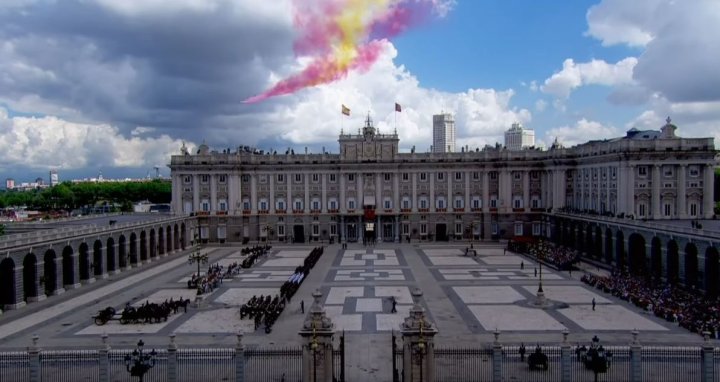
[372, 191]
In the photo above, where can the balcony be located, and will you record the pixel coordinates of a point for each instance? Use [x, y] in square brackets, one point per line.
[246, 212]
[458, 210]
[476, 209]
[281, 212]
[425, 210]
[333, 211]
[388, 210]
[405, 210]
[315, 212]
[298, 212]
[203, 213]
[263, 212]
[441, 210]
[221, 213]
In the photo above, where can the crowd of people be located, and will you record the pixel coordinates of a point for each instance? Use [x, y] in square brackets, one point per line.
[561, 257]
[689, 309]
[208, 282]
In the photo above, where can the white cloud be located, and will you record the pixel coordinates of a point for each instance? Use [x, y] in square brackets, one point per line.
[693, 119]
[595, 72]
[540, 105]
[583, 131]
[50, 142]
[679, 38]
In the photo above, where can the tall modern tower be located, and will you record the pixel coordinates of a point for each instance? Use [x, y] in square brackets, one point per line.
[54, 180]
[518, 137]
[443, 133]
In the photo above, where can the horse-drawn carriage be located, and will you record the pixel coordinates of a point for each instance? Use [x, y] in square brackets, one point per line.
[596, 358]
[105, 315]
[148, 312]
[538, 360]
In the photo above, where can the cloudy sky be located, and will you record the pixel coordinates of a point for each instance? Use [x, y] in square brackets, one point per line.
[117, 86]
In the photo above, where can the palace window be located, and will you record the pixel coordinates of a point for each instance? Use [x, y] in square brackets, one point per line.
[315, 204]
[222, 179]
[281, 178]
[405, 177]
[315, 178]
[298, 178]
[333, 229]
[476, 202]
[518, 229]
[333, 178]
[332, 204]
[423, 229]
[517, 202]
[245, 178]
[517, 175]
[205, 205]
[441, 176]
[459, 202]
[280, 204]
[246, 204]
[458, 176]
[440, 203]
[387, 177]
[493, 202]
[222, 205]
[263, 205]
[536, 229]
[667, 209]
[423, 203]
[642, 170]
[298, 205]
[406, 203]
[351, 204]
[281, 230]
[423, 177]
[351, 177]
[493, 175]
[387, 204]
[693, 209]
[475, 175]
[204, 178]
[187, 179]
[458, 228]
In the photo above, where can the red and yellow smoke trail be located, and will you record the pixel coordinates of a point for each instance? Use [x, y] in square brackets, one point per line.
[344, 35]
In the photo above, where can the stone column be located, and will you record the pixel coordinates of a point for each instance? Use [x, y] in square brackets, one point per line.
[343, 202]
[656, 185]
[104, 361]
[76, 269]
[450, 196]
[196, 193]
[378, 191]
[681, 197]
[485, 203]
[635, 358]
[271, 180]
[565, 358]
[239, 359]
[414, 200]
[360, 193]
[467, 202]
[323, 197]
[253, 194]
[708, 185]
[59, 288]
[34, 358]
[289, 200]
[630, 193]
[317, 333]
[432, 176]
[40, 289]
[497, 357]
[418, 344]
[706, 368]
[306, 202]
[172, 367]
[378, 229]
[396, 193]
[213, 192]
[526, 190]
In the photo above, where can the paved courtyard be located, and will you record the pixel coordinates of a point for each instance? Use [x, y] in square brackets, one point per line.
[468, 298]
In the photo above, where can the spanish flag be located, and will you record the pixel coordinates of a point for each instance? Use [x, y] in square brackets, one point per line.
[345, 110]
[398, 108]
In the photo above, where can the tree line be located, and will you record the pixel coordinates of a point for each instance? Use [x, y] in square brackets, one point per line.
[69, 196]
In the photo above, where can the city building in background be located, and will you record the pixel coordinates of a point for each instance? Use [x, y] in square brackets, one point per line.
[518, 137]
[371, 191]
[9, 183]
[54, 179]
[443, 133]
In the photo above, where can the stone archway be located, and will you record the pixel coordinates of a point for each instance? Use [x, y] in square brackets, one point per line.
[97, 258]
[608, 246]
[168, 240]
[161, 241]
[176, 238]
[656, 258]
[30, 277]
[598, 243]
[84, 254]
[636, 249]
[143, 246]
[153, 244]
[691, 266]
[7, 282]
[673, 262]
[122, 252]
[110, 255]
[712, 272]
[50, 271]
[620, 258]
[68, 261]
[133, 249]
[183, 237]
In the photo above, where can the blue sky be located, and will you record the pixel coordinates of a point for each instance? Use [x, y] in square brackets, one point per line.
[118, 87]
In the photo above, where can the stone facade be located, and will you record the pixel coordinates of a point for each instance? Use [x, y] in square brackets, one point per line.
[370, 190]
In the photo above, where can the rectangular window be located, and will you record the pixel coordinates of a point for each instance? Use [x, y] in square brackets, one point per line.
[281, 230]
[668, 209]
[246, 204]
[441, 203]
[405, 177]
[204, 178]
[406, 204]
[458, 176]
[476, 203]
[406, 229]
[493, 175]
[333, 229]
[316, 229]
[222, 179]
[642, 170]
[281, 205]
[458, 203]
[387, 205]
[535, 203]
[475, 175]
[536, 229]
[351, 204]
[518, 229]
[333, 178]
[281, 178]
[298, 178]
[187, 179]
[315, 205]
[245, 178]
[315, 178]
[423, 229]
[693, 209]
[535, 175]
[263, 206]
[493, 203]
[298, 205]
[423, 176]
[668, 171]
[333, 205]
[517, 203]
[351, 177]
[222, 206]
[641, 209]
[458, 228]
[441, 176]
[423, 203]
[386, 177]
[517, 175]
[205, 205]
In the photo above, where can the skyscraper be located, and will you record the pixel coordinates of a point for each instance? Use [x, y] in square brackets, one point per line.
[518, 137]
[54, 178]
[443, 133]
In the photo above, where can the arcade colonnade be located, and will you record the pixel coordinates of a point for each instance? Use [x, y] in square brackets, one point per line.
[32, 273]
[689, 260]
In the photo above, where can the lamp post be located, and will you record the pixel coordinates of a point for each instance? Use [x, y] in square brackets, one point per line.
[139, 363]
[315, 349]
[197, 257]
[420, 349]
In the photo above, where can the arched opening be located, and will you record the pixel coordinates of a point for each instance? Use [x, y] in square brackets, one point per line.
[30, 277]
[153, 244]
[7, 282]
[133, 249]
[176, 238]
[183, 242]
[556, 234]
[691, 266]
[571, 236]
[608, 246]
[656, 258]
[673, 262]
[168, 239]
[68, 267]
[50, 271]
[636, 247]
[712, 272]
[161, 241]
[143, 246]
[110, 254]
[598, 243]
[84, 253]
[97, 258]
[620, 250]
[122, 252]
[589, 243]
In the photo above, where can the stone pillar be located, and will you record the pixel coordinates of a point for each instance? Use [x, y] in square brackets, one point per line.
[418, 344]
[253, 194]
[432, 176]
[39, 288]
[414, 200]
[34, 357]
[239, 359]
[565, 358]
[526, 190]
[630, 193]
[172, 372]
[656, 186]
[306, 201]
[485, 192]
[497, 357]
[343, 202]
[323, 190]
[681, 196]
[635, 358]
[378, 229]
[59, 289]
[317, 333]
[271, 181]
[708, 186]
[213, 193]
[706, 368]
[196, 193]
[103, 360]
